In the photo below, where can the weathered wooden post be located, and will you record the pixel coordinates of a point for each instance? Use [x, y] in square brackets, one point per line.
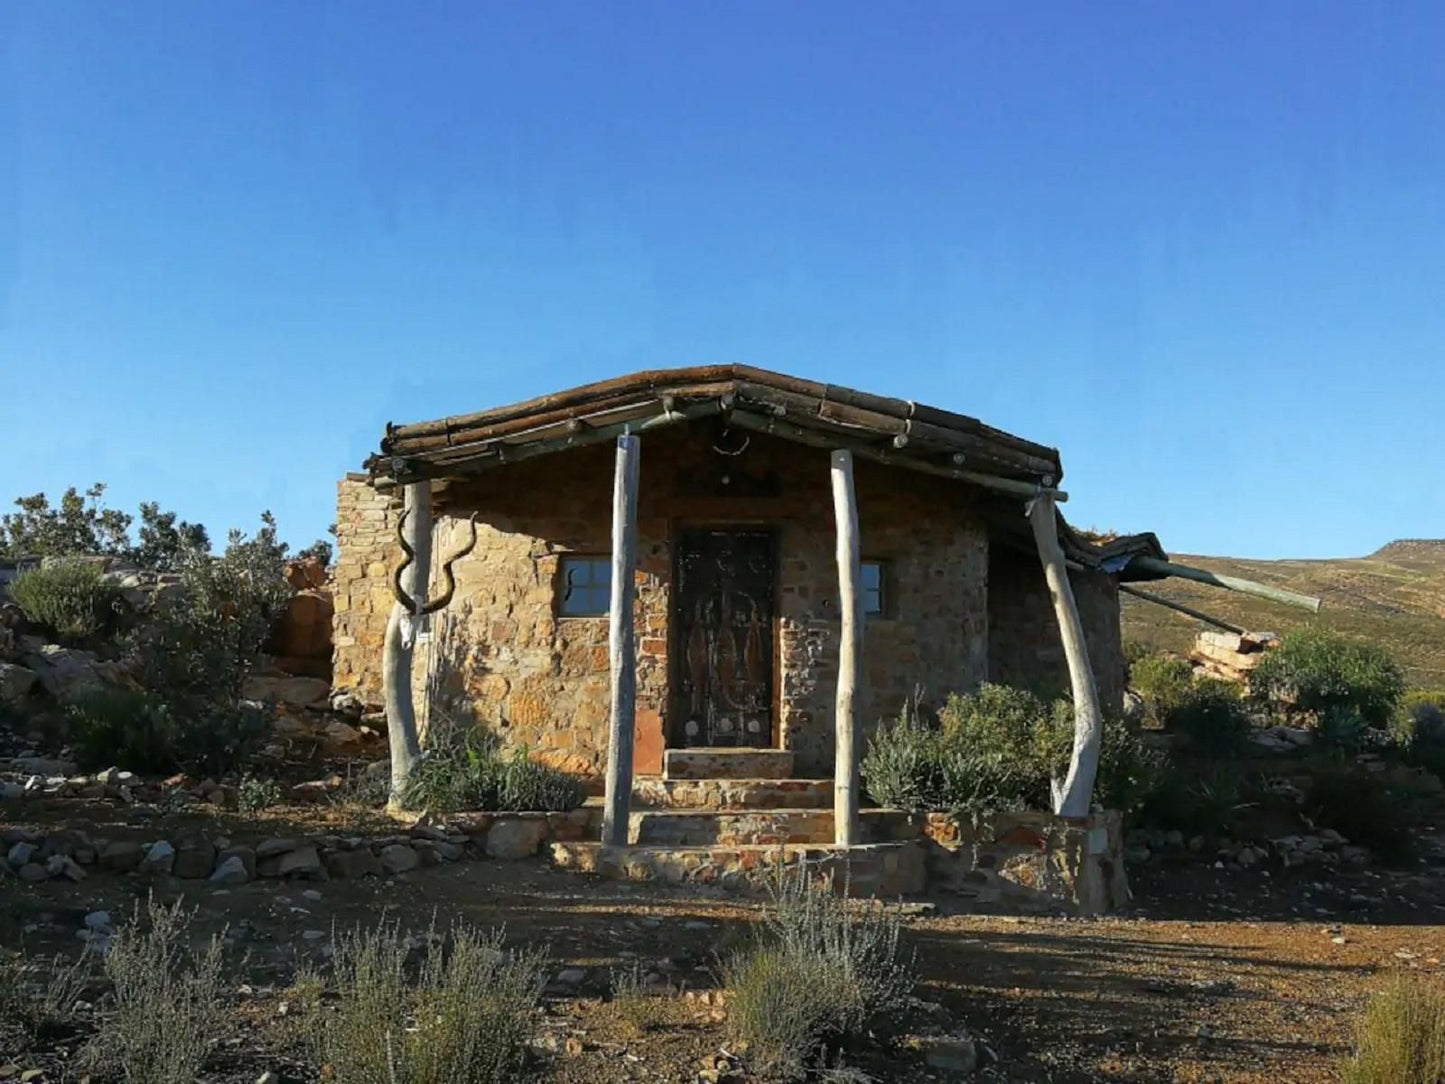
[1072, 798]
[622, 642]
[850, 652]
[398, 647]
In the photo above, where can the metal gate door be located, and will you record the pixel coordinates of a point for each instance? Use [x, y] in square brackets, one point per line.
[724, 616]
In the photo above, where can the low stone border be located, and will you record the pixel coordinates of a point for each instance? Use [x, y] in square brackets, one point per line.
[74, 854]
[884, 870]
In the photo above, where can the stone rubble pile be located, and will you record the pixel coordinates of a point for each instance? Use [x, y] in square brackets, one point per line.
[1230, 656]
[1324, 848]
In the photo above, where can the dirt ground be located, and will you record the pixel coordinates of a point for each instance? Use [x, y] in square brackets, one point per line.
[1213, 975]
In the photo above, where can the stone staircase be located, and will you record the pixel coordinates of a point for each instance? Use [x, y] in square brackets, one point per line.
[732, 817]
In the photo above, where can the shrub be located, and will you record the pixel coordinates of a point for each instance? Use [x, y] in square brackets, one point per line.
[203, 649]
[819, 973]
[1130, 769]
[167, 1002]
[1314, 669]
[467, 1018]
[1400, 1037]
[467, 771]
[70, 599]
[1360, 807]
[147, 732]
[1419, 730]
[1163, 683]
[1213, 718]
[40, 996]
[256, 794]
[997, 749]
[1207, 804]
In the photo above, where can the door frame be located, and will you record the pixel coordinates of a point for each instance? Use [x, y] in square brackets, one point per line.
[672, 718]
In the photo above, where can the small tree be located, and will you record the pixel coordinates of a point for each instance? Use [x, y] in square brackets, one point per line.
[80, 524]
[1314, 670]
[167, 544]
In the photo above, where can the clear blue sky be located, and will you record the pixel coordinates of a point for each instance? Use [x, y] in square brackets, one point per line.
[1198, 247]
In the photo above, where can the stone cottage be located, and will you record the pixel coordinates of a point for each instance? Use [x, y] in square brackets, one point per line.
[736, 599]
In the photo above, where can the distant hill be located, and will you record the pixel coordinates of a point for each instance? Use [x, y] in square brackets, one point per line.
[1395, 596]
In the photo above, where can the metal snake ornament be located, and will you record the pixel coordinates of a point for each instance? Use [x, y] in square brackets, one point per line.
[410, 554]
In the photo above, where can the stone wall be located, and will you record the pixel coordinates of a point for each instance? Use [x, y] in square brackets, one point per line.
[1030, 861]
[366, 545]
[1024, 647]
[503, 657]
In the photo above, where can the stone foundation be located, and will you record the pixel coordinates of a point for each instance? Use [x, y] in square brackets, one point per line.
[1029, 861]
[884, 870]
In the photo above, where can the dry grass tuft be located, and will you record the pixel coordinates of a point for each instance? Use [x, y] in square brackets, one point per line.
[168, 1007]
[466, 1019]
[817, 975]
[1400, 1038]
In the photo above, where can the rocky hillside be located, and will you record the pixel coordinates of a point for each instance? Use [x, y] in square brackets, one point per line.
[1396, 596]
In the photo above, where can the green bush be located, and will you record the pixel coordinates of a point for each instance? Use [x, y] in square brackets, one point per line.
[1400, 1037]
[1210, 714]
[997, 749]
[1163, 683]
[819, 972]
[146, 732]
[467, 1019]
[1418, 729]
[1313, 670]
[1213, 717]
[466, 770]
[168, 1007]
[1198, 803]
[1360, 807]
[72, 600]
[1130, 769]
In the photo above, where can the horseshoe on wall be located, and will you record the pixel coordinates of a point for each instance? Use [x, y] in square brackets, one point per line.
[409, 555]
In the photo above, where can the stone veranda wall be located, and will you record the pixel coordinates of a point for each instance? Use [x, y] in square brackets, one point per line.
[1029, 861]
[501, 656]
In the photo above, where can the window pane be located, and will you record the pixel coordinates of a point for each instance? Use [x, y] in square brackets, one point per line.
[872, 585]
[587, 586]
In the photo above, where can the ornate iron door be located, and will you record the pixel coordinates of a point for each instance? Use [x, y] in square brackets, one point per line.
[724, 616]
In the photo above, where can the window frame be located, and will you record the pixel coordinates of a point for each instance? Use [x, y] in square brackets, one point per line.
[884, 589]
[593, 561]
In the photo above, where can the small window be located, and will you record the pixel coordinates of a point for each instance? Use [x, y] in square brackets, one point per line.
[586, 586]
[874, 581]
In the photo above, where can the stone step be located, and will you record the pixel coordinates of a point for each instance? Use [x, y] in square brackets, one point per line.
[707, 828]
[725, 763]
[737, 794]
[885, 870]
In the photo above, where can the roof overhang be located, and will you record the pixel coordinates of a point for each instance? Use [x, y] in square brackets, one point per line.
[899, 432]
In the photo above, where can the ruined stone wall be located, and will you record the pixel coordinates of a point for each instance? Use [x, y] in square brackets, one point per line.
[502, 656]
[1024, 647]
[365, 544]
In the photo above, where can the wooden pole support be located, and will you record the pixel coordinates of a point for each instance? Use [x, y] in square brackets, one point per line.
[398, 647]
[622, 642]
[1170, 604]
[1072, 798]
[1233, 583]
[850, 651]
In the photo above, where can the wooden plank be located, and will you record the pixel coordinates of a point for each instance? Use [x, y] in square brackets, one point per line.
[850, 651]
[1232, 583]
[892, 457]
[1073, 797]
[622, 648]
